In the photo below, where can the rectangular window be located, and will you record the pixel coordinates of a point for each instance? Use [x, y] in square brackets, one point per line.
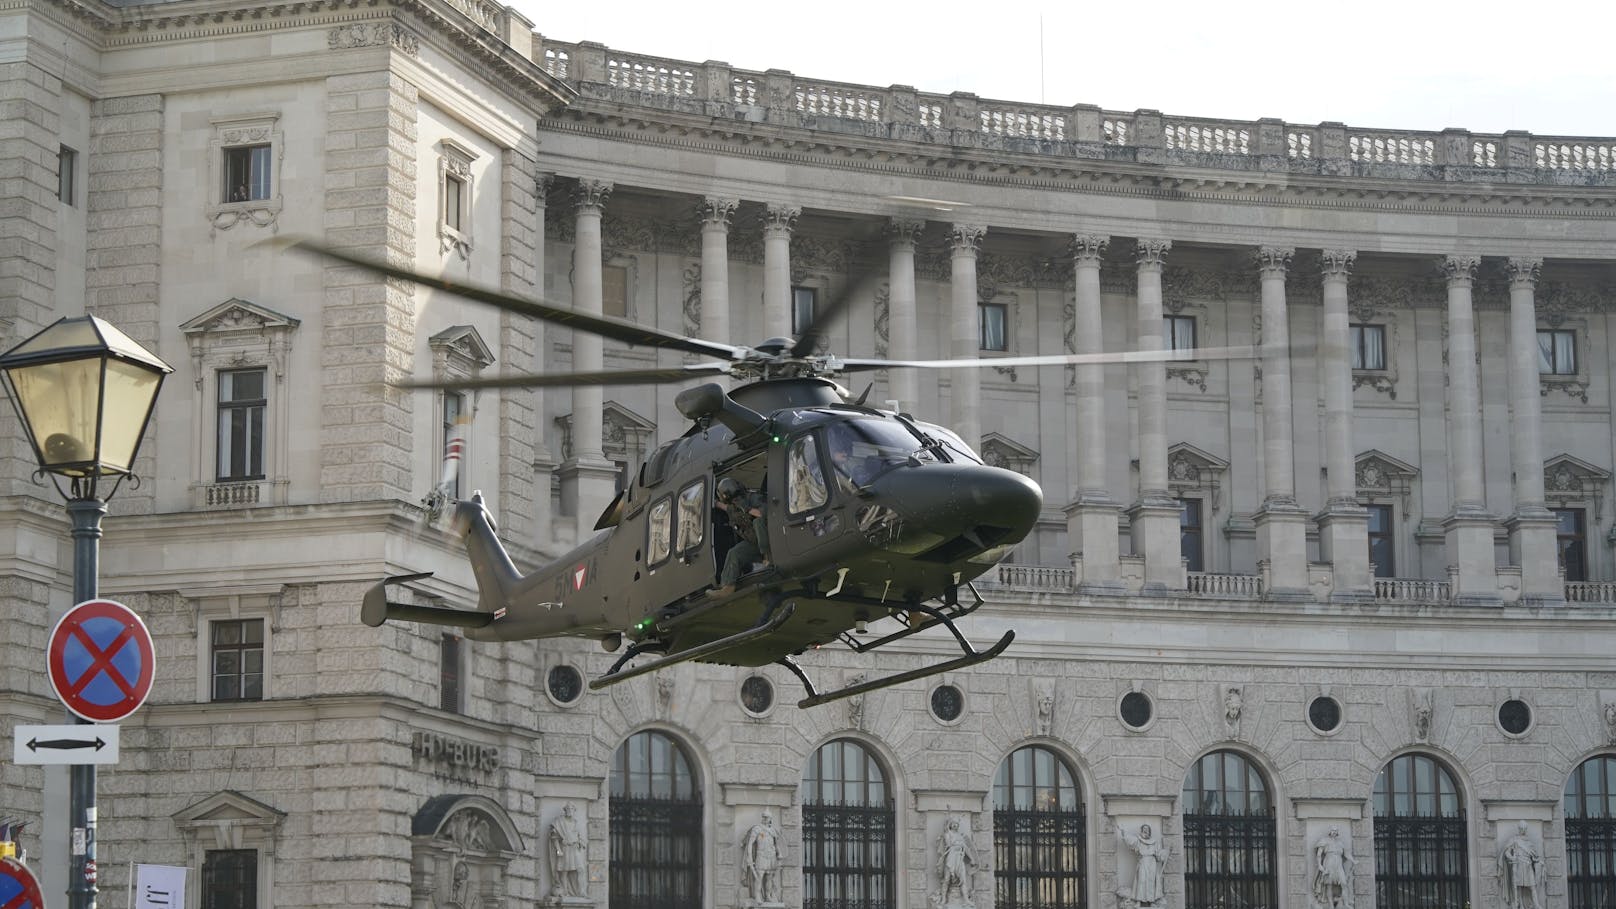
[238, 660]
[67, 162]
[1190, 537]
[1571, 539]
[804, 300]
[1557, 352]
[454, 439]
[1382, 542]
[241, 425]
[1368, 346]
[229, 879]
[1179, 332]
[450, 673]
[246, 173]
[614, 290]
[993, 326]
[454, 202]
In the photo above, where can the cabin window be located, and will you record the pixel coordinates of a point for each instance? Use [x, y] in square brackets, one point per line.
[806, 490]
[659, 531]
[692, 529]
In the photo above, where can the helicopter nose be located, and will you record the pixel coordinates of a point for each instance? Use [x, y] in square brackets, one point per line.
[989, 504]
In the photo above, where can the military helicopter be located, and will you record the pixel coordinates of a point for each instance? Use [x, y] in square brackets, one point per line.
[868, 515]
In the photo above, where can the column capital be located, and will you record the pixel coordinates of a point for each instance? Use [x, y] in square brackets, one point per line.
[1151, 254]
[1088, 249]
[1460, 270]
[966, 238]
[716, 211]
[778, 216]
[591, 195]
[1523, 271]
[1274, 261]
[903, 231]
[541, 188]
[1337, 263]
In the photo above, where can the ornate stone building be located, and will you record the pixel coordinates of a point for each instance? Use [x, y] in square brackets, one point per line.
[1335, 624]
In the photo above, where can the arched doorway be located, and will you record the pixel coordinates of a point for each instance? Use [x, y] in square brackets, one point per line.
[847, 829]
[1420, 855]
[1038, 833]
[1229, 838]
[656, 825]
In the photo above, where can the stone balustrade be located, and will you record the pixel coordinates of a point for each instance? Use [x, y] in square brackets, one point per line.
[1212, 584]
[1083, 131]
[1032, 578]
[1590, 592]
[1413, 590]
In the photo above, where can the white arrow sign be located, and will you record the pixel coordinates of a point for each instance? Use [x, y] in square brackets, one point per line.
[87, 743]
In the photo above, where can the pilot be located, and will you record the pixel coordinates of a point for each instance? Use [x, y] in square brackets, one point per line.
[852, 473]
[745, 509]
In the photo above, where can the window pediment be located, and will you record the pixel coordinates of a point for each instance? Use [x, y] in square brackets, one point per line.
[1568, 479]
[460, 350]
[228, 820]
[1377, 473]
[236, 314]
[1002, 451]
[1195, 471]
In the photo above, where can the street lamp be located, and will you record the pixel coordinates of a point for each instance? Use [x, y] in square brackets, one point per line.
[84, 392]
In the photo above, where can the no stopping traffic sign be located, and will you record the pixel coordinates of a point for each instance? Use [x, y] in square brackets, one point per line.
[101, 660]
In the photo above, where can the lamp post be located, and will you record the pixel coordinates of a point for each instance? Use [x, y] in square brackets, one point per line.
[84, 391]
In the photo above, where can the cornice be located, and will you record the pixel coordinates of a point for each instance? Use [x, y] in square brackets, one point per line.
[983, 167]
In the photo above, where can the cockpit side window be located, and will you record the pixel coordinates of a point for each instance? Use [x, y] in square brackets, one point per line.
[805, 486]
[692, 528]
[659, 532]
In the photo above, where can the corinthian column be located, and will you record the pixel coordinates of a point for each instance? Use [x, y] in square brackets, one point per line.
[778, 222]
[1532, 543]
[1153, 519]
[1468, 527]
[1344, 524]
[1281, 523]
[901, 328]
[1091, 519]
[964, 332]
[715, 214]
[588, 480]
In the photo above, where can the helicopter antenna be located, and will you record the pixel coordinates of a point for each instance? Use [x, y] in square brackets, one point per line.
[866, 394]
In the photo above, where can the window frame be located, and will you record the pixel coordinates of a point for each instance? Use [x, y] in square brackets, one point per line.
[455, 166]
[1197, 530]
[244, 132]
[658, 554]
[809, 440]
[691, 502]
[1358, 349]
[1555, 370]
[67, 167]
[207, 607]
[242, 649]
[228, 820]
[1579, 537]
[1590, 836]
[453, 675]
[1172, 323]
[873, 812]
[676, 819]
[1020, 860]
[251, 863]
[1392, 828]
[1388, 536]
[984, 307]
[224, 408]
[1236, 831]
[799, 293]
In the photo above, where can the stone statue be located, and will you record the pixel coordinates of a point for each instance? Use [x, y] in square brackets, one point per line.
[664, 691]
[1422, 714]
[1610, 722]
[1332, 871]
[760, 856]
[461, 894]
[1232, 703]
[1044, 699]
[569, 848]
[855, 704]
[1149, 878]
[955, 861]
[1520, 872]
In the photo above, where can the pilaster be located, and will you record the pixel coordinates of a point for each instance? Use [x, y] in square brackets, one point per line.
[965, 241]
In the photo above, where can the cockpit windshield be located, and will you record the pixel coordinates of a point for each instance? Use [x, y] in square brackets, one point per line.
[861, 449]
[955, 446]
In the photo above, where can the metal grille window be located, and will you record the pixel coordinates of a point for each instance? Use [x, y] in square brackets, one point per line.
[1590, 827]
[230, 879]
[1420, 860]
[847, 830]
[238, 660]
[656, 833]
[1038, 833]
[1229, 841]
[241, 424]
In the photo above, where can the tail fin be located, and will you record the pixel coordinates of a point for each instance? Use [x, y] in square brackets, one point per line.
[495, 575]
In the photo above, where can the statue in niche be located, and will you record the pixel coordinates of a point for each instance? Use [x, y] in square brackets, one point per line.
[1610, 722]
[462, 894]
[569, 848]
[855, 704]
[664, 691]
[1149, 875]
[1520, 871]
[955, 861]
[469, 830]
[760, 857]
[1044, 701]
[1332, 871]
[1233, 701]
[1422, 714]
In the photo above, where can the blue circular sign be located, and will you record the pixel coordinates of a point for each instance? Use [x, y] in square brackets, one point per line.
[18, 887]
[101, 661]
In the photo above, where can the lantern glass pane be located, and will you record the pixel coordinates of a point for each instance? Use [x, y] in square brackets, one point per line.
[67, 334]
[60, 403]
[130, 390]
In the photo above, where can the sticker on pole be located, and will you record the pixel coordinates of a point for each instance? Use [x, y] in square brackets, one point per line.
[18, 887]
[101, 661]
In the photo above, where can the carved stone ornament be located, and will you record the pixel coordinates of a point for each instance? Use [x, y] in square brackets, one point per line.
[716, 212]
[1379, 474]
[692, 299]
[1192, 472]
[373, 34]
[904, 232]
[1522, 271]
[966, 239]
[1570, 482]
[462, 846]
[569, 858]
[883, 321]
[1330, 879]
[1610, 721]
[664, 692]
[591, 195]
[1274, 261]
[956, 865]
[1150, 254]
[1460, 270]
[781, 218]
[1043, 705]
[1233, 703]
[1422, 704]
[762, 859]
[1002, 451]
[1336, 264]
[1088, 250]
[855, 703]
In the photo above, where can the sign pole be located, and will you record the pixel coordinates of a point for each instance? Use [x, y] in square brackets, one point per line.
[86, 515]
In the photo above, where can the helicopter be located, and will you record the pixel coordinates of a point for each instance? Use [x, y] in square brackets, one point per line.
[867, 515]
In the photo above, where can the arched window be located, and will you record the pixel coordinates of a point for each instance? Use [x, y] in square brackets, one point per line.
[1590, 823]
[1038, 842]
[1228, 834]
[655, 825]
[1420, 856]
[847, 824]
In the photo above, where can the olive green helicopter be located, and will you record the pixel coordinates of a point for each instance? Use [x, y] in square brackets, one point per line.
[872, 524]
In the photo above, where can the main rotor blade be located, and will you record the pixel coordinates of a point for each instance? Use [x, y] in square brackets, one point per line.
[823, 318]
[654, 376]
[1127, 356]
[605, 326]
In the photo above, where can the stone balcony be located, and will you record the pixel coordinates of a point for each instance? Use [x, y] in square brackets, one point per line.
[1084, 132]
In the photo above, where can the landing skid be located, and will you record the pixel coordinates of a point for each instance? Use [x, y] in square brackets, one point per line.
[773, 617]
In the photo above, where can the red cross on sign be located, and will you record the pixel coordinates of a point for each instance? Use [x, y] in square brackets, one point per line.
[101, 661]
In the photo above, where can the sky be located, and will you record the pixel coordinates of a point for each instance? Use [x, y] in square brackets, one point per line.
[1484, 66]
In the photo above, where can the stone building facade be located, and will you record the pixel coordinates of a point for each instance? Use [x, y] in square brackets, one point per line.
[1269, 599]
